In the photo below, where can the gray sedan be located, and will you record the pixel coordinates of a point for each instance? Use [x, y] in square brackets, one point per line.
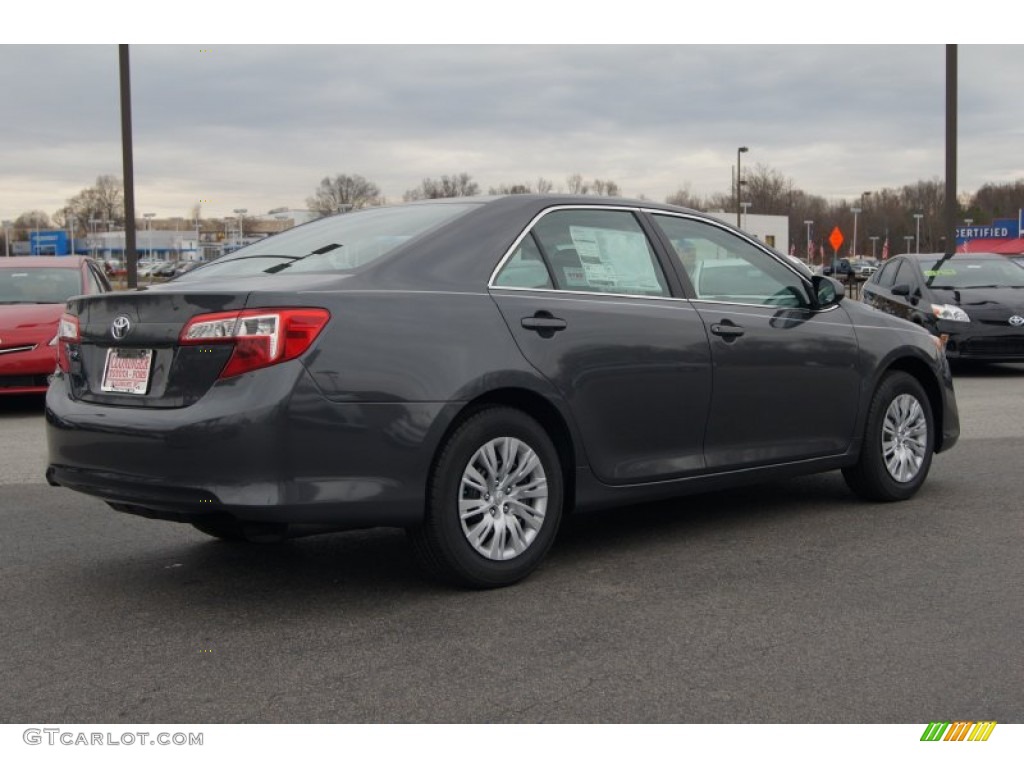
[472, 369]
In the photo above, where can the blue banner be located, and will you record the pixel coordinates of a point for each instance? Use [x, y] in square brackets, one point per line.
[49, 243]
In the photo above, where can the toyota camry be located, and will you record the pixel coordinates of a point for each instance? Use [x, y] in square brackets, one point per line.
[473, 369]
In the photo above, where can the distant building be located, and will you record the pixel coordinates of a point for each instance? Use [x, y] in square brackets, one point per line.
[773, 231]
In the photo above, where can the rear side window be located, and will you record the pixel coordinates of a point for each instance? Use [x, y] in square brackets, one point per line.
[600, 252]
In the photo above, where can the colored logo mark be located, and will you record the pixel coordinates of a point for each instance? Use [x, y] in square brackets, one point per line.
[959, 731]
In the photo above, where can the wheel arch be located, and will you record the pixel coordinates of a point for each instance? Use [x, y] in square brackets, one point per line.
[925, 376]
[541, 410]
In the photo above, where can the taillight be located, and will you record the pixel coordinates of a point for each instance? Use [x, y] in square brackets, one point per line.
[67, 333]
[261, 337]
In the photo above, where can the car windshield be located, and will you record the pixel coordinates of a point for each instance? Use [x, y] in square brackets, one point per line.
[340, 243]
[963, 273]
[38, 285]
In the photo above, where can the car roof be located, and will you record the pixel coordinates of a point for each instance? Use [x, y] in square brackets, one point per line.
[61, 262]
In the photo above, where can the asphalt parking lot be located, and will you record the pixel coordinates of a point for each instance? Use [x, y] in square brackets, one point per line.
[789, 602]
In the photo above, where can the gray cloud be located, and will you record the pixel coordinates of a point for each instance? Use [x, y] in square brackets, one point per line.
[258, 126]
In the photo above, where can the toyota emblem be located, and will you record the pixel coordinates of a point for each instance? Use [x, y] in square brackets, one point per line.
[120, 327]
[1017, 321]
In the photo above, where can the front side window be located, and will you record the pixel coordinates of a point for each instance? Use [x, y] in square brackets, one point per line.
[601, 252]
[724, 267]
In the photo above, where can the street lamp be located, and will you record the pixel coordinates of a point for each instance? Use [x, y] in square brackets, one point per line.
[853, 246]
[7, 236]
[739, 176]
[240, 213]
[967, 236]
[908, 238]
[746, 207]
[874, 242]
[918, 216]
[149, 238]
[810, 254]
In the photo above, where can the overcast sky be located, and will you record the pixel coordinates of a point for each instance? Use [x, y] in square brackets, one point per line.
[258, 126]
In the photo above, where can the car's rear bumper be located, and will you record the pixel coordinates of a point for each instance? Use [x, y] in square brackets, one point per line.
[265, 447]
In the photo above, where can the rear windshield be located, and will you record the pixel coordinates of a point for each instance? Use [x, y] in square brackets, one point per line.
[39, 285]
[340, 243]
[973, 273]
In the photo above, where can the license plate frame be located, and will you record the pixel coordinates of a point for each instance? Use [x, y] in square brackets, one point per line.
[127, 371]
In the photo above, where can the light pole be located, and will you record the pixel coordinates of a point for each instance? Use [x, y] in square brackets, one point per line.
[967, 236]
[853, 245]
[918, 216]
[874, 242]
[240, 213]
[148, 236]
[746, 207]
[71, 224]
[810, 254]
[739, 182]
[908, 238]
[7, 237]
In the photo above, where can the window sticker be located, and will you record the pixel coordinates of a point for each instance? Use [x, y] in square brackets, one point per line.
[575, 277]
[615, 260]
[945, 272]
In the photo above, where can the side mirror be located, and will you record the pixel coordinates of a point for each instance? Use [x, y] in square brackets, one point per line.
[901, 289]
[827, 291]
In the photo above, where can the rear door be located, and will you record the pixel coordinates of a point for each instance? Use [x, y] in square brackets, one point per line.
[588, 303]
[786, 384]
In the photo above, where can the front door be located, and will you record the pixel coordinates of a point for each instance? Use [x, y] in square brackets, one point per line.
[785, 380]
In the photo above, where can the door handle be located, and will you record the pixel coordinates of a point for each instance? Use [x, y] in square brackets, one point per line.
[544, 323]
[727, 331]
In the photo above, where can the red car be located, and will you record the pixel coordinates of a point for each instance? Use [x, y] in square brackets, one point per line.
[33, 290]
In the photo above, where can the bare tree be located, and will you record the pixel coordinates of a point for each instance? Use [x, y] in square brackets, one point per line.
[606, 188]
[575, 185]
[544, 186]
[510, 189]
[685, 198]
[103, 201]
[343, 193]
[30, 220]
[458, 185]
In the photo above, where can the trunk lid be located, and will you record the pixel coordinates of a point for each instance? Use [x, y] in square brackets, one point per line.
[127, 327]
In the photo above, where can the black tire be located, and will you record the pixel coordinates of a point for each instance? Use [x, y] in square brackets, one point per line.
[880, 474]
[487, 541]
[232, 530]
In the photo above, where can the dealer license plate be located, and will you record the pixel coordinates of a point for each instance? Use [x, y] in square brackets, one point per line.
[127, 371]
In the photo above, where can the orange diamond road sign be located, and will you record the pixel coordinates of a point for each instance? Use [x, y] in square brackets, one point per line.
[836, 239]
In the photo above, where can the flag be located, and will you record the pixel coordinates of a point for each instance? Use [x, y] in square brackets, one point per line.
[885, 249]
